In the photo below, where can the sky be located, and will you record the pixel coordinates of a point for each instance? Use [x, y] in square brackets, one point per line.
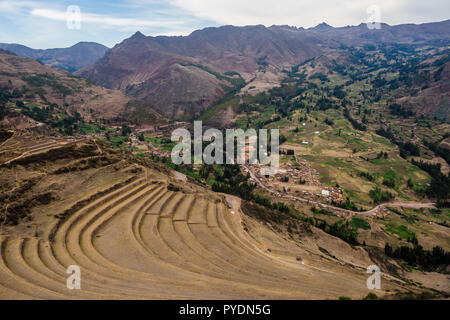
[46, 24]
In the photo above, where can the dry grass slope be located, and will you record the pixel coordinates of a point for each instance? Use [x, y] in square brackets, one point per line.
[135, 239]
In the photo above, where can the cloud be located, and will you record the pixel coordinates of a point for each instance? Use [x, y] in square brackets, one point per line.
[42, 23]
[104, 19]
[10, 9]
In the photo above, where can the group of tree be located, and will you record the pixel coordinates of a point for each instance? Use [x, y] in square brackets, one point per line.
[329, 122]
[319, 75]
[406, 148]
[389, 182]
[398, 110]
[382, 155]
[436, 259]
[126, 130]
[439, 187]
[324, 104]
[339, 229]
[356, 125]
[366, 175]
[438, 150]
[379, 196]
[228, 179]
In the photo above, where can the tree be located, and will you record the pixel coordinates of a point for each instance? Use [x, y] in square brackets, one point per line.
[126, 130]
[2, 111]
[410, 183]
[388, 250]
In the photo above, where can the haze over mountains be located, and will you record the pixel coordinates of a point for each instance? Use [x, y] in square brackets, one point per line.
[426, 33]
[70, 59]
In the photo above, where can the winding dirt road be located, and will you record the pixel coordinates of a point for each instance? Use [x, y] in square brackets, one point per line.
[371, 212]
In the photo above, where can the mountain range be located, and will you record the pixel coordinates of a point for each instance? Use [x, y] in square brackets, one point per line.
[88, 177]
[70, 59]
[182, 76]
[51, 94]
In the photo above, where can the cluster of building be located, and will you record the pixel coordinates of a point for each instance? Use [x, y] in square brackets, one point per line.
[139, 146]
[296, 180]
[293, 179]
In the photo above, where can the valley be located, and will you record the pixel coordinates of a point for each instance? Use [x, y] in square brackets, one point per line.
[86, 175]
[134, 231]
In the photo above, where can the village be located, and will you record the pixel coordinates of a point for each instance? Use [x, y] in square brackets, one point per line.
[294, 179]
[297, 179]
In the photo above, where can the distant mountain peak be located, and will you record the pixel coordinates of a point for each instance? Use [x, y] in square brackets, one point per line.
[182, 76]
[70, 59]
[88, 43]
[285, 26]
[322, 26]
[138, 35]
[365, 24]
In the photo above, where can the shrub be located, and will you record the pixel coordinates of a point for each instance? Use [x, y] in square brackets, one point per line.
[389, 182]
[371, 296]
